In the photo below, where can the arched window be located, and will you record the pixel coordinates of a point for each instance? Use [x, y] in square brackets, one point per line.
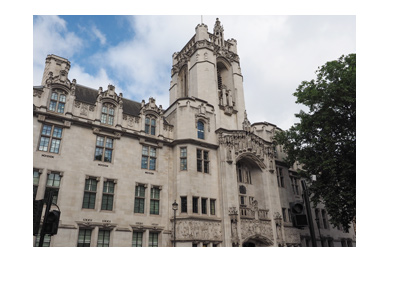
[200, 129]
[243, 174]
[57, 101]
[150, 125]
[107, 114]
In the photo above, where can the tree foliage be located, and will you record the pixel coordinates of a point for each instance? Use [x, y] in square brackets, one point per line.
[324, 142]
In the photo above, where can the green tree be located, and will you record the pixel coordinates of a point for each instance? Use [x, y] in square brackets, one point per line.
[324, 142]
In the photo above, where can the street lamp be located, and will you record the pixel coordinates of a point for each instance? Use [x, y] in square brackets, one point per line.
[175, 208]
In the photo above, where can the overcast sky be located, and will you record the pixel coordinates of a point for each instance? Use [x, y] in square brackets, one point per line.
[134, 53]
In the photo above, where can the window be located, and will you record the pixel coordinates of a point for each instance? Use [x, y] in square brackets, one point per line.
[155, 200]
[53, 186]
[289, 215]
[349, 243]
[330, 243]
[243, 174]
[212, 207]
[104, 149]
[153, 239]
[344, 243]
[103, 239]
[107, 114]
[84, 237]
[202, 161]
[89, 197]
[108, 196]
[295, 185]
[200, 129]
[194, 244]
[195, 205]
[204, 206]
[183, 158]
[36, 175]
[150, 125]
[183, 204]
[139, 199]
[149, 158]
[50, 133]
[57, 102]
[242, 200]
[137, 238]
[279, 174]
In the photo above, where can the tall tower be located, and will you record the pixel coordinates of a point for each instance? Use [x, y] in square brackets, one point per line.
[208, 68]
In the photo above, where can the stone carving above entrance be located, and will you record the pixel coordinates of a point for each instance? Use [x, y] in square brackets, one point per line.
[191, 229]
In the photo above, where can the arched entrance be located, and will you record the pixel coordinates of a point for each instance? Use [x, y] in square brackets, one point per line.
[257, 241]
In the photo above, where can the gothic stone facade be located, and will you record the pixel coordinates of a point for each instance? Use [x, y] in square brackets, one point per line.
[116, 165]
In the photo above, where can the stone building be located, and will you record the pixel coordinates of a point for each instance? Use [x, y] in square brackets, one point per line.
[116, 166]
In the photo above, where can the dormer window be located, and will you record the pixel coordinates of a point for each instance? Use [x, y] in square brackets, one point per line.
[150, 125]
[57, 102]
[107, 114]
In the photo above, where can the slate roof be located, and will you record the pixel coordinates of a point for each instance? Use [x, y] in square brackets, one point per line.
[89, 95]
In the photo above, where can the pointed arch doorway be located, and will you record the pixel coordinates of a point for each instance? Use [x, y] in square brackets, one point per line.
[257, 241]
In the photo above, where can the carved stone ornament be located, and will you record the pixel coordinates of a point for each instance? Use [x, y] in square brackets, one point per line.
[198, 230]
[250, 228]
[244, 144]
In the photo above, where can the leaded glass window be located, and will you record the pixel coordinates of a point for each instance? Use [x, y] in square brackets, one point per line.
[200, 130]
[84, 237]
[139, 199]
[150, 125]
[155, 200]
[52, 185]
[107, 114]
[104, 149]
[149, 157]
[89, 197]
[108, 196]
[57, 102]
[137, 238]
[50, 139]
[153, 239]
[103, 239]
[183, 159]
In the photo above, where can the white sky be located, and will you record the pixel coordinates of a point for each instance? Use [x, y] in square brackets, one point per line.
[276, 54]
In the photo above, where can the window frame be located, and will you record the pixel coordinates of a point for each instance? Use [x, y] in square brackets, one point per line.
[213, 205]
[200, 132]
[184, 204]
[183, 158]
[87, 239]
[203, 161]
[107, 199]
[153, 242]
[149, 159]
[204, 206]
[89, 195]
[140, 200]
[47, 137]
[154, 201]
[135, 243]
[195, 205]
[107, 114]
[150, 124]
[56, 104]
[103, 242]
[105, 149]
[280, 177]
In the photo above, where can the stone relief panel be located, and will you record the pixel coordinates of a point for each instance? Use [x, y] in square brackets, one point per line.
[250, 228]
[198, 230]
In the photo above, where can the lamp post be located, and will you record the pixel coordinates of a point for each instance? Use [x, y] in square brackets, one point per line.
[175, 208]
